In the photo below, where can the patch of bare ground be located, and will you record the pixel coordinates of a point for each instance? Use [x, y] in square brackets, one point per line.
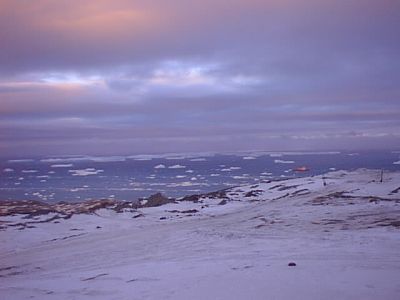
[343, 198]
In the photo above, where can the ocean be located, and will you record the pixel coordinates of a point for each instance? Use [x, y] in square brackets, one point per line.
[78, 178]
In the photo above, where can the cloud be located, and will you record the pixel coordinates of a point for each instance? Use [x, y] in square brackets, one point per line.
[121, 75]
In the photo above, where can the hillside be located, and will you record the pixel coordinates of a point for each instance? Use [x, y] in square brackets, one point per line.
[339, 232]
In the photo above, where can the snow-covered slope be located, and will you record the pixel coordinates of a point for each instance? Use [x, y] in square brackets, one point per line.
[343, 237]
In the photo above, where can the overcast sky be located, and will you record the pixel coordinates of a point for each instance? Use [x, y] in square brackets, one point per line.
[126, 77]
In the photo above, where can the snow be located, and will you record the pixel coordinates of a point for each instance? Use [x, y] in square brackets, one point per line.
[338, 234]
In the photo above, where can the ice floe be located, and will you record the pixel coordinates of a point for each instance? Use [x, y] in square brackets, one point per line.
[29, 171]
[85, 172]
[230, 169]
[160, 166]
[177, 167]
[61, 166]
[280, 161]
[20, 160]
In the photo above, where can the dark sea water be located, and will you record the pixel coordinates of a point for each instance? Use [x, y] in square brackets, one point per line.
[53, 179]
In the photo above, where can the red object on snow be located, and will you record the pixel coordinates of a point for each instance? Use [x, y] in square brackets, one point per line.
[301, 169]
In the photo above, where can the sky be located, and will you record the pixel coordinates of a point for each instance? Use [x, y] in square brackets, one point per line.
[126, 77]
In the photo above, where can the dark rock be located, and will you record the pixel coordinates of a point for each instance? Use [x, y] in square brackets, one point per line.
[223, 202]
[157, 200]
[301, 192]
[287, 187]
[395, 191]
[275, 186]
[191, 198]
[28, 207]
[389, 222]
[221, 194]
[190, 211]
[125, 205]
[292, 264]
[163, 218]
[98, 227]
[253, 193]
[94, 277]
[91, 206]
[218, 194]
